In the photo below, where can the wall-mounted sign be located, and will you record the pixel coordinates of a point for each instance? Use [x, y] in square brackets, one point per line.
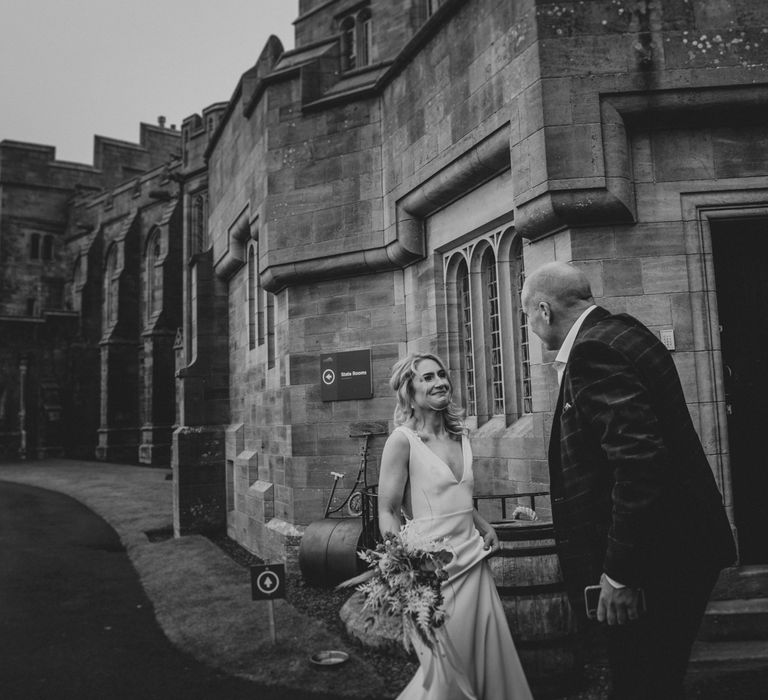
[346, 375]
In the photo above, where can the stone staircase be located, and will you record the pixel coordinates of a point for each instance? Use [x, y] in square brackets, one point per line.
[734, 632]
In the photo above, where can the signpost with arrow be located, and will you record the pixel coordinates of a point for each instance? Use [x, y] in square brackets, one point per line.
[268, 583]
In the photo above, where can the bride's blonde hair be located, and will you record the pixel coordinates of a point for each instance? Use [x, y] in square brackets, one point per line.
[401, 382]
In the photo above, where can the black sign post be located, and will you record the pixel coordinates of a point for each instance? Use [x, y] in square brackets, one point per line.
[346, 375]
[268, 583]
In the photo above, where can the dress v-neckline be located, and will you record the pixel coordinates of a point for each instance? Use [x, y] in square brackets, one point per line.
[438, 457]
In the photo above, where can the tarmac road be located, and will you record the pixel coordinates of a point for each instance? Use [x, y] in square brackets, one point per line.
[75, 622]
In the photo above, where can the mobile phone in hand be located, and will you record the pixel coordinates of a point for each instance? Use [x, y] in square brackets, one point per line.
[592, 596]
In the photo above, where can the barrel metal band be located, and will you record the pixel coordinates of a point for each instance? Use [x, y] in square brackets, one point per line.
[533, 589]
[525, 552]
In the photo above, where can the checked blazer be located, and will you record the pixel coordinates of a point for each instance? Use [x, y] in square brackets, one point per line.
[633, 494]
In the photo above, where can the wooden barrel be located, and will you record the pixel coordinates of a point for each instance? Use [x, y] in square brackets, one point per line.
[328, 551]
[530, 584]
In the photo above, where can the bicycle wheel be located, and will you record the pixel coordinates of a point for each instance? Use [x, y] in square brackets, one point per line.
[355, 504]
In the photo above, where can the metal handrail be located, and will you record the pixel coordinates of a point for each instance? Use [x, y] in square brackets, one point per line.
[371, 534]
[532, 495]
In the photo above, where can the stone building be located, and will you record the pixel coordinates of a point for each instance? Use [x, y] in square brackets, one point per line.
[383, 187]
[65, 228]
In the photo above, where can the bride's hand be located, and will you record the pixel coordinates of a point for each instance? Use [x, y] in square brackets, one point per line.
[491, 541]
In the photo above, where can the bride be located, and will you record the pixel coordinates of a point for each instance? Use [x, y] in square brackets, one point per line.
[426, 474]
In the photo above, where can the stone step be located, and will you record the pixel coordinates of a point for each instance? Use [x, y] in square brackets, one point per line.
[742, 582]
[741, 654]
[739, 619]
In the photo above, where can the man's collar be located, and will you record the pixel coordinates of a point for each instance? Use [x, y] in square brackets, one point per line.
[565, 349]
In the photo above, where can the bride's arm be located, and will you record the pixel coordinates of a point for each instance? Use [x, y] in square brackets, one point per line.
[393, 476]
[490, 538]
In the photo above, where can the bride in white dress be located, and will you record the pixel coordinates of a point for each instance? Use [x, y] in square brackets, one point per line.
[426, 474]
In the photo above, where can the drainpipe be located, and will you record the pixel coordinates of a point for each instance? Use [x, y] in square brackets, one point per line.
[23, 364]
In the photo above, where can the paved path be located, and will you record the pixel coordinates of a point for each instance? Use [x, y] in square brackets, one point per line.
[75, 621]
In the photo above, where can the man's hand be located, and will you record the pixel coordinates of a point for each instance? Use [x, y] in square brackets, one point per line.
[617, 606]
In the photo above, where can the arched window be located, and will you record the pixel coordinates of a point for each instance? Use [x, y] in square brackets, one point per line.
[487, 337]
[492, 331]
[252, 297]
[78, 281]
[517, 275]
[364, 38]
[199, 224]
[111, 281]
[154, 274]
[348, 44]
[269, 302]
[465, 338]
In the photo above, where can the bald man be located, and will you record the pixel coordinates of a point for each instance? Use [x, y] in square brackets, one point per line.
[634, 501]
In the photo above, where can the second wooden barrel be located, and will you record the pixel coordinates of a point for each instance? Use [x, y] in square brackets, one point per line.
[530, 584]
[328, 551]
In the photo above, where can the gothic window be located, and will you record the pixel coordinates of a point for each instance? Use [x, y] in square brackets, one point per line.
[193, 291]
[465, 335]
[269, 301]
[364, 37]
[199, 224]
[111, 281]
[154, 274]
[517, 274]
[252, 297]
[34, 246]
[487, 338]
[492, 328]
[348, 44]
[356, 40]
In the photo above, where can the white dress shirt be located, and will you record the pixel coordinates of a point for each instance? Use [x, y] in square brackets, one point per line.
[565, 349]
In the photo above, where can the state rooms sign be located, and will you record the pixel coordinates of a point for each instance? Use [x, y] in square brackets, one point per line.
[346, 375]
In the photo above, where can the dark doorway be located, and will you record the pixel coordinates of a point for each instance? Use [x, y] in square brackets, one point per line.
[740, 254]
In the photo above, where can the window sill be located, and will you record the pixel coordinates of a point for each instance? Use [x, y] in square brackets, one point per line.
[496, 427]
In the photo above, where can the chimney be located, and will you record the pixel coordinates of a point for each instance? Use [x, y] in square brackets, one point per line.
[161, 122]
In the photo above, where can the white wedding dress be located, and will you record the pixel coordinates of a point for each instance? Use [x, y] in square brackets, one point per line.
[479, 660]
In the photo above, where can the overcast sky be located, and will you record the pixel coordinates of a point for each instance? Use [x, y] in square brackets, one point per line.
[70, 69]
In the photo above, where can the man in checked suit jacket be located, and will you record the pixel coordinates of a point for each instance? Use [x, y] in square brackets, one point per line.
[634, 501]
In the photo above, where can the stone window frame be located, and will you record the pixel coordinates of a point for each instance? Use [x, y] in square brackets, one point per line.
[356, 37]
[252, 297]
[111, 286]
[269, 315]
[199, 216]
[507, 396]
[153, 267]
[256, 299]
